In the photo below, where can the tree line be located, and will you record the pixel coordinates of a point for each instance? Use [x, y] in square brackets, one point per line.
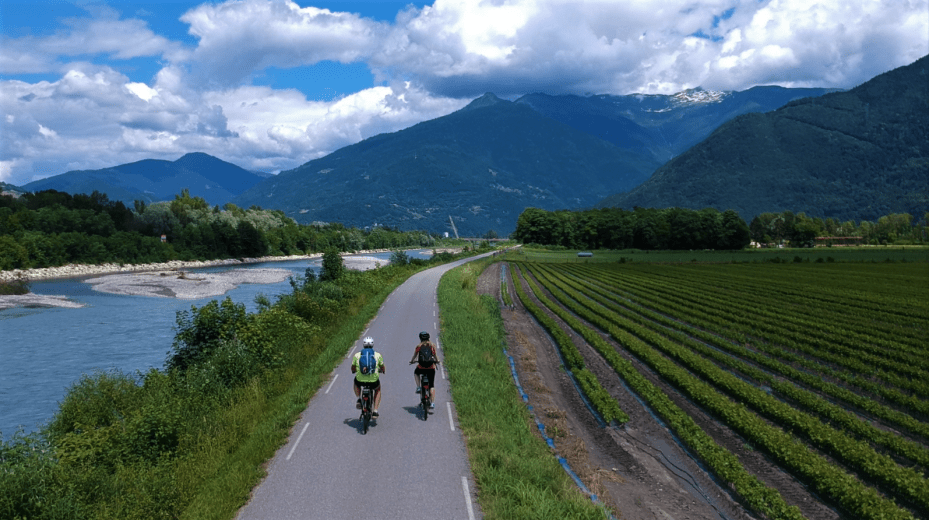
[51, 228]
[641, 228]
[799, 230]
[686, 229]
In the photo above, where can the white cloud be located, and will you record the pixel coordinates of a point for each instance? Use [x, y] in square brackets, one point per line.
[107, 35]
[142, 90]
[94, 117]
[651, 46]
[241, 38]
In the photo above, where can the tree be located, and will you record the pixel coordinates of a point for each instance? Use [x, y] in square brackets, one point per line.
[12, 255]
[184, 203]
[253, 242]
[332, 268]
[734, 233]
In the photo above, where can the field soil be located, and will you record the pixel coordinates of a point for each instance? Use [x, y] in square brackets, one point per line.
[639, 470]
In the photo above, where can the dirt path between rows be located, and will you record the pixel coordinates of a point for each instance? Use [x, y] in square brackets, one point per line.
[638, 470]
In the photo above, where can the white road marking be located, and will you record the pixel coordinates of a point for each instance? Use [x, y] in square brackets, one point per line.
[332, 383]
[467, 494]
[451, 420]
[305, 426]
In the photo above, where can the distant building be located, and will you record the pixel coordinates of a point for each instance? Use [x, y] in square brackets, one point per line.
[584, 254]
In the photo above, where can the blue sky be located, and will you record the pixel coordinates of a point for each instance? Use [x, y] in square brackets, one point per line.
[271, 84]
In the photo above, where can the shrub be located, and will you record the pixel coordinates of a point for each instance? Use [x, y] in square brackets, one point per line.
[18, 286]
[332, 267]
[95, 401]
[200, 331]
[399, 257]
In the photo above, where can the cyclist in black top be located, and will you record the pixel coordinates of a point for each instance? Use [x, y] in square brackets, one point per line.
[424, 366]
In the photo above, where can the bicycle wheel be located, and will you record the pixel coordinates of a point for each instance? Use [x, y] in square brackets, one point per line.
[365, 412]
[424, 396]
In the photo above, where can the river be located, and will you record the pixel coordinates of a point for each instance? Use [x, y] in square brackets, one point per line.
[43, 351]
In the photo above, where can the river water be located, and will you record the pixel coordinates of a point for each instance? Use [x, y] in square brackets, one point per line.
[44, 351]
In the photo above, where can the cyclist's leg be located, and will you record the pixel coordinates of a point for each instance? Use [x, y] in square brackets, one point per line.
[377, 396]
[356, 388]
[432, 384]
[416, 373]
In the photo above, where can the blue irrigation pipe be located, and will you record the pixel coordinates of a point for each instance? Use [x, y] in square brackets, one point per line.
[549, 440]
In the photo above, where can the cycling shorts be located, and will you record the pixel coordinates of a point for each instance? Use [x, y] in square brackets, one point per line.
[429, 372]
[374, 385]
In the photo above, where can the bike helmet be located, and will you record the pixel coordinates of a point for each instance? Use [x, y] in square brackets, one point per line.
[423, 336]
[368, 342]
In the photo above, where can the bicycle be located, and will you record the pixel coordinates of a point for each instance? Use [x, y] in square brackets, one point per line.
[425, 395]
[367, 400]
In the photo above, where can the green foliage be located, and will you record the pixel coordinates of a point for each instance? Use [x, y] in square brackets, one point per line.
[50, 228]
[399, 257]
[18, 286]
[30, 484]
[201, 331]
[12, 254]
[646, 229]
[332, 266]
[802, 231]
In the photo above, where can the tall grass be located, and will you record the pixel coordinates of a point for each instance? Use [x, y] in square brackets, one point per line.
[516, 473]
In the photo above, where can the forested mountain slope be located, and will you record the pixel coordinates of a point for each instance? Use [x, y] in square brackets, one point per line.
[481, 165]
[153, 180]
[662, 126]
[854, 155]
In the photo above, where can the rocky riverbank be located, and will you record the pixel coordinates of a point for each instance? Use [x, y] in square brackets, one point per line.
[168, 280]
[81, 270]
[352, 261]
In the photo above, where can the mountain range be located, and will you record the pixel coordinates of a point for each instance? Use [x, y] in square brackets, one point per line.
[853, 155]
[152, 180]
[9, 188]
[483, 165]
[479, 166]
[659, 125]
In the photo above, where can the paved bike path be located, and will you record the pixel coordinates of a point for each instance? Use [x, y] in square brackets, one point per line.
[404, 467]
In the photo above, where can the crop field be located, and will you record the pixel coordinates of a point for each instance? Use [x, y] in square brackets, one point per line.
[823, 367]
[788, 255]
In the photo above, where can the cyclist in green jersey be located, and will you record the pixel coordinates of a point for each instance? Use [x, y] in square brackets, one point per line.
[371, 380]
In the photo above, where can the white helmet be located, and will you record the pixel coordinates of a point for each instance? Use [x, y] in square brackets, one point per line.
[368, 342]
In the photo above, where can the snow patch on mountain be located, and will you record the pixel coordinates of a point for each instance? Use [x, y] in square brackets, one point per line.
[696, 96]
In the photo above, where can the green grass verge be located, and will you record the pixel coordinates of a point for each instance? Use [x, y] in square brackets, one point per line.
[516, 473]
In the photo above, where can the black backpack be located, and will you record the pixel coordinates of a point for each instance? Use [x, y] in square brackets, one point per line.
[367, 363]
[426, 356]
